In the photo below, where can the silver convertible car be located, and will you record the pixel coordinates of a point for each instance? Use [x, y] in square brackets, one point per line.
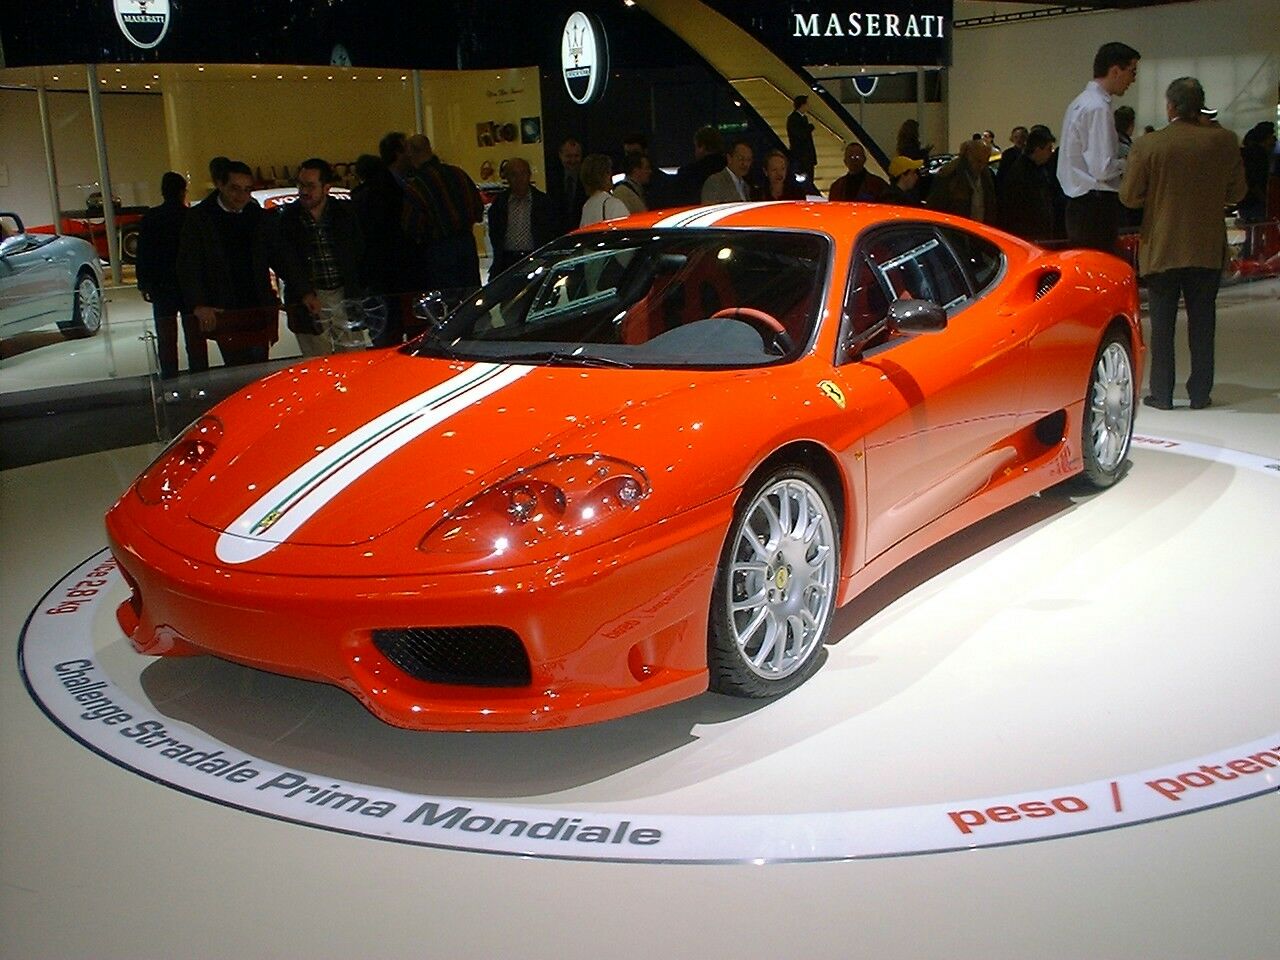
[46, 279]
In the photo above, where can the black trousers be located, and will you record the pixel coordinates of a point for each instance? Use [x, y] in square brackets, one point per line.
[502, 259]
[1093, 220]
[165, 311]
[1198, 287]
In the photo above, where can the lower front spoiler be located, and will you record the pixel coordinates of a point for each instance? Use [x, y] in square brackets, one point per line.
[615, 632]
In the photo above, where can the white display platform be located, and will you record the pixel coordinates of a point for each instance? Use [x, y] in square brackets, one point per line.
[1025, 627]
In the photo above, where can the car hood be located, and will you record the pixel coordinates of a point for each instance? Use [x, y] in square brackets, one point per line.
[338, 453]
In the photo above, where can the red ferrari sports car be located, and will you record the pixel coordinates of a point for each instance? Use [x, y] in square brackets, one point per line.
[649, 460]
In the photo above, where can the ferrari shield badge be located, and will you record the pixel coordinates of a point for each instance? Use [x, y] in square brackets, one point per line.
[832, 391]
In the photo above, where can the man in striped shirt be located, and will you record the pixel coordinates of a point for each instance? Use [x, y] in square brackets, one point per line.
[442, 205]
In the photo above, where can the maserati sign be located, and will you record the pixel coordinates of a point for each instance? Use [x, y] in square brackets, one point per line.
[584, 58]
[144, 22]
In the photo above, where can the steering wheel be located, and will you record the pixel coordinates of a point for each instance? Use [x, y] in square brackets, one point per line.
[765, 323]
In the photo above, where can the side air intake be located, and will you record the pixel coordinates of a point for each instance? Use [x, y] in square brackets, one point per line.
[1048, 280]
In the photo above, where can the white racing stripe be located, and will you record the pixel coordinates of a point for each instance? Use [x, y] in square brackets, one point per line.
[708, 216]
[284, 508]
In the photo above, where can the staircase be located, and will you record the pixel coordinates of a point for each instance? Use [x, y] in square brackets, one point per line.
[774, 106]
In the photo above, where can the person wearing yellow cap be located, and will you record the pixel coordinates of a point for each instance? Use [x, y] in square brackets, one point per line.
[904, 175]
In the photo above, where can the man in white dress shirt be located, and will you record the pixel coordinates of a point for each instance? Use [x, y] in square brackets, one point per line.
[1089, 162]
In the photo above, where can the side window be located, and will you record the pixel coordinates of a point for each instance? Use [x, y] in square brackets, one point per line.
[900, 263]
[981, 259]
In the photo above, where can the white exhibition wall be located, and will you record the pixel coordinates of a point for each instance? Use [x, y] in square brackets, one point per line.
[134, 125]
[1025, 73]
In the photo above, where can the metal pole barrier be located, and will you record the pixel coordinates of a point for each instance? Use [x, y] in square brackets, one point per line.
[51, 168]
[417, 101]
[104, 175]
[158, 411]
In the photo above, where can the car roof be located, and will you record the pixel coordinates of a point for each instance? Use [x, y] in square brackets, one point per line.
[840, 220]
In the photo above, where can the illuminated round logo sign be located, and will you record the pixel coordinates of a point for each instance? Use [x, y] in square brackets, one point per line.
[144, 22]
[584, 58]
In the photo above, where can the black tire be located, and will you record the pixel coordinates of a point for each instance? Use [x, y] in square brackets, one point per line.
[796, 585]
[1109, 404]
[129, 243]
[86, 308]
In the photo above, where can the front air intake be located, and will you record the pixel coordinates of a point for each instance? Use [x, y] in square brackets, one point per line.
[1048, 280]
[467, 656]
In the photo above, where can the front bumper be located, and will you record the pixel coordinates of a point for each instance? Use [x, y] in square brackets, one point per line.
[609, 632]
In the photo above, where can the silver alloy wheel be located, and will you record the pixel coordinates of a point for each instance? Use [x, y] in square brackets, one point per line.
[90, 304]
[782, 576]
[1111, 406]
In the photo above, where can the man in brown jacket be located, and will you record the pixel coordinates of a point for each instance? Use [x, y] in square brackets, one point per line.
[1183, 176]
[966, 186]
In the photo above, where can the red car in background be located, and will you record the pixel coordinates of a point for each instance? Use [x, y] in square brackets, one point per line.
[90, 224]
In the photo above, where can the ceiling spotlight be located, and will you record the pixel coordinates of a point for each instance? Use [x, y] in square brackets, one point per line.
[55, 77]
[155, 76]
[117, 69]
[201, 69]
[304, 76]
[279, 76]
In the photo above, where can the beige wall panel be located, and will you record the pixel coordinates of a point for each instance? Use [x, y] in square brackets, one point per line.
[456, 102]
[279, 123]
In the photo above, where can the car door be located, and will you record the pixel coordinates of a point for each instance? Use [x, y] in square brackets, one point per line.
[30, 283]
[938, 408]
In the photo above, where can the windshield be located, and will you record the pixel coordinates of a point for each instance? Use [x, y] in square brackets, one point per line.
[650, 298]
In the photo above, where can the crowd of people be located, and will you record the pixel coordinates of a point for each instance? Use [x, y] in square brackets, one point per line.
[206, 269]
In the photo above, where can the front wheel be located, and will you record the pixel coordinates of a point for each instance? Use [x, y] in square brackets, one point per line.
[1108, 412]
[775, 587]
[86, 308]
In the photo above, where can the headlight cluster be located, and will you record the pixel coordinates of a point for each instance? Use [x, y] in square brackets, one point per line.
[180, 461]
[560, 497]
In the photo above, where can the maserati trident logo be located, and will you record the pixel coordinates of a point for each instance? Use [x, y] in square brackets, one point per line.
[144, 22]
[584, 58]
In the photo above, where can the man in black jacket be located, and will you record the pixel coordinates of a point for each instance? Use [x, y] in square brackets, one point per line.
[564, 185]
[158, 234]
[520, 220]
[804, 155]
[223, 270]
[1026, 194]
[319, 252]
[394, 267]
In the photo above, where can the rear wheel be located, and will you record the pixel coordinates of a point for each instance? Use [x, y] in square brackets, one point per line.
[86, 308]
[1108, 412]
[775, 588]
[129, 244]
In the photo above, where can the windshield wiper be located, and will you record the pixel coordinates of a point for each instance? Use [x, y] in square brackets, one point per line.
[560, 358]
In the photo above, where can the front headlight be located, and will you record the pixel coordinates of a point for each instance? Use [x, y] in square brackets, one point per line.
[558, 498]
[179, 462]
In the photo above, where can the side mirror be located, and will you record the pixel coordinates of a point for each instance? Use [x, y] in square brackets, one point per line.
[12, 244]
[913, 317]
